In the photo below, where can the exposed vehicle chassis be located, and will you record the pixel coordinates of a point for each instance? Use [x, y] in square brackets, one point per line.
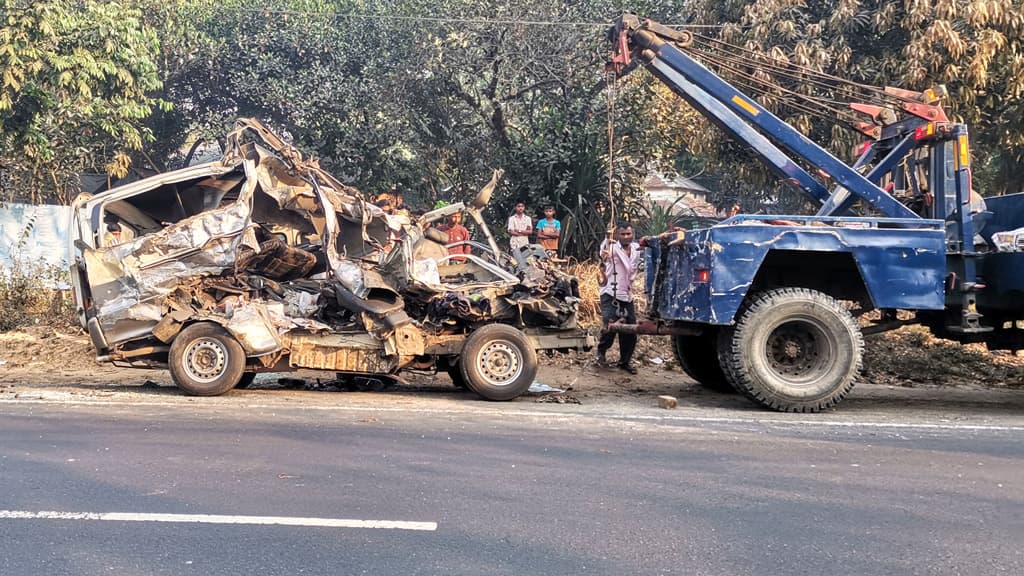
[263, 262]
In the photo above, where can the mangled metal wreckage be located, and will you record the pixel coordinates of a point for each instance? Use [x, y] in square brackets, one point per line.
[263, 262]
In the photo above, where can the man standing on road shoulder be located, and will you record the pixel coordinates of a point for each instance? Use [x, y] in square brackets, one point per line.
[520, 226]
[549, 229]
[620, 263]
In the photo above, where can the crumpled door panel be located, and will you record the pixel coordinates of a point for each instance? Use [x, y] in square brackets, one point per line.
[129, 281]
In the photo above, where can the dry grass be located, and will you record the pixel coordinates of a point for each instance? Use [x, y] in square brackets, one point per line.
[27, 297]
[590, 306]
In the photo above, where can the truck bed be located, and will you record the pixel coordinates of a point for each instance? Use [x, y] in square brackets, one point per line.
[900, 261]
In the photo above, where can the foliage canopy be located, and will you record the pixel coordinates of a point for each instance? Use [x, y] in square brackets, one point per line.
[77, 87]
[426, 96]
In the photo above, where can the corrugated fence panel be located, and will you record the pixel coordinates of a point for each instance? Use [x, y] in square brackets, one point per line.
[31, 234]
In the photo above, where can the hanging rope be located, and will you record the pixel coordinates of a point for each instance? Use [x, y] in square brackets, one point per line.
[802, 89]
[610, 79]
[609, 252]
[606, 254]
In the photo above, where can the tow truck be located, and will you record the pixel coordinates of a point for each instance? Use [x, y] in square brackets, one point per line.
[766, 304]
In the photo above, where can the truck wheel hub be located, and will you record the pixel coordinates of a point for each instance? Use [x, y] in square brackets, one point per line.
[797, 349]
[791, 349]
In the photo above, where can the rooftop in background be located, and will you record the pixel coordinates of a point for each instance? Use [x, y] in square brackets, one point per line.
[663, 190]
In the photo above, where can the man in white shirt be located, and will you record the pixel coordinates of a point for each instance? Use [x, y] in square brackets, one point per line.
[519, 228]
[620, 263]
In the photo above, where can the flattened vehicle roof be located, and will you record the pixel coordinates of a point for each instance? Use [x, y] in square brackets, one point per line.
[215, 168]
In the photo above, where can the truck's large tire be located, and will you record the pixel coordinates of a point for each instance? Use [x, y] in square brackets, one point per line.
[697, 356]
[205, 360]
[498, 362]
[792, 350]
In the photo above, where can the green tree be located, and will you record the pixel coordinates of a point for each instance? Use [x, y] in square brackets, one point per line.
[329, 74]
[976, 48]
[532, 78]
[388, 98]
[75, 92]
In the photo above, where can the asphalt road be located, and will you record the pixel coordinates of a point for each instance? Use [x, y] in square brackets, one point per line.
[512, 489]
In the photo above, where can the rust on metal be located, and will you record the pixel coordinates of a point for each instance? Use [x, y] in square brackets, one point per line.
[299, 268]
[648, 327]
[339, 352]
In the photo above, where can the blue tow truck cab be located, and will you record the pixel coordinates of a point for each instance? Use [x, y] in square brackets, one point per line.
[765, 304]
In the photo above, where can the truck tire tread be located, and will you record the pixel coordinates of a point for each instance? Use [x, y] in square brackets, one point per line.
[697, 357]
[738, 349]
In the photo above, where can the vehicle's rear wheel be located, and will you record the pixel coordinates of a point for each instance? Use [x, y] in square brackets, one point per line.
[792, 350]
[246, 380]
[205, 360]
[498, 362]
[698, 358]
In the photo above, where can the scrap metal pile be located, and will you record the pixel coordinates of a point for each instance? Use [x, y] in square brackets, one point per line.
[275, 244]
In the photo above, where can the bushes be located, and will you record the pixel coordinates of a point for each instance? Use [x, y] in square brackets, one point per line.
[31, 293]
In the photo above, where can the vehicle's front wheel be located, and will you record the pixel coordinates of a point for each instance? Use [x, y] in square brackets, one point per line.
[205, 360]
[698, 358]
[498, 362]
[792, 350]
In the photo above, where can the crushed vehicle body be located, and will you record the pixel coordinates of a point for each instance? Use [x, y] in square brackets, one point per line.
[264, 262]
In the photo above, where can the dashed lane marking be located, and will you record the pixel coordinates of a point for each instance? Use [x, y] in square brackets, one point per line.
[219, 519]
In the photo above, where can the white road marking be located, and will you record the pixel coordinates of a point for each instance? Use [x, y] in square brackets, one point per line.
[778, 421]
[838, 424]
[219, 519]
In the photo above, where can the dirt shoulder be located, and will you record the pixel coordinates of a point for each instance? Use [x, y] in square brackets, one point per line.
[905, 358]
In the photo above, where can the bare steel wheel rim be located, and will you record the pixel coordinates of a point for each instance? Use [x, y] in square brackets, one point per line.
[205, 360]
[500, 363]
[800, 351]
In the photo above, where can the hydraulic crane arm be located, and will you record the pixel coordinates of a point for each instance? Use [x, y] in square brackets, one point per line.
[660, 49]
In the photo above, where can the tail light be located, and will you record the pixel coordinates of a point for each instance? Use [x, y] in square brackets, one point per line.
[925, 132]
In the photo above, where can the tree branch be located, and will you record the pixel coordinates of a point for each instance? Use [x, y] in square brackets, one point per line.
[520, 93]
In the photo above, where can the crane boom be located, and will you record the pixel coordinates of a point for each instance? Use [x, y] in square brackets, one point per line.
[768, 136]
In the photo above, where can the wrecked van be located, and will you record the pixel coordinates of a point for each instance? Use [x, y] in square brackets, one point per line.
[263, 262]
